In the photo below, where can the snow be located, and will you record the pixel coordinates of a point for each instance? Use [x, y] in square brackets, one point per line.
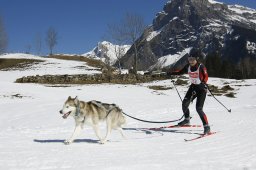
[105, 50]
[215, 23]
[49, 66]
[169, 59]
[214, 2]
[241, 9]
[237, 14]
[254, 21]
[161, 13]
[32, 131]
[251, 47]
[237, 18]
[174, 18]
[152, 35]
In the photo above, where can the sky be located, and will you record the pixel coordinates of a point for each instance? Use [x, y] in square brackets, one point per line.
[80, 24]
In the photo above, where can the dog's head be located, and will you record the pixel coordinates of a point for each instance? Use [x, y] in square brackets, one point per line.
[69, 107]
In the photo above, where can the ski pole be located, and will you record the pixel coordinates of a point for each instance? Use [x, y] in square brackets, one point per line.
[229, 110]
[176, 89]
[178, 94]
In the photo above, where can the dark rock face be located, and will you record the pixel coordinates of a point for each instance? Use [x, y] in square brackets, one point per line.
[184, 24]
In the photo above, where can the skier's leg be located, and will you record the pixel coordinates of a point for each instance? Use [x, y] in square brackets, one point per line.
[185, 107]
[201, 95]
[186, 102]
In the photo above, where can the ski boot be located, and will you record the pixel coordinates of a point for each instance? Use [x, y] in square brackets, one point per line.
[186, 121]
[207, 129]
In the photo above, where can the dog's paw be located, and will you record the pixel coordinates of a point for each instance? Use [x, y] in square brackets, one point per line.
[67, 142]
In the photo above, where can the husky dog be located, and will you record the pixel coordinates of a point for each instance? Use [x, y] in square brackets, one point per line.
[92, 113]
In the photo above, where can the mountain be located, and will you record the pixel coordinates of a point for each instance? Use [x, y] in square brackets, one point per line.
[208, 25]
[107, 52]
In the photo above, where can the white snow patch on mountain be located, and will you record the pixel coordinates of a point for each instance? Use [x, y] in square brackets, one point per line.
[161, 13]
[169, 59]
[254, 21]
[152, 35]
[239, 14]
[214, 2]
[237, 18]
[251, 47]
[241, 9]
[107, 52]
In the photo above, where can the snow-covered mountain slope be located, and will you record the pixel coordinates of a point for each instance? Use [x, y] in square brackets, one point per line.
[107, 52]
[32, 131]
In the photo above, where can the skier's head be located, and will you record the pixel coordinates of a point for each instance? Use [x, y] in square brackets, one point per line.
[193, 56]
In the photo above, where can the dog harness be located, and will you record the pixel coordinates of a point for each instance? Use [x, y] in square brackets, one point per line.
[77, 109]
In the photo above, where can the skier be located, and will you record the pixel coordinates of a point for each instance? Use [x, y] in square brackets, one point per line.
[198, 77]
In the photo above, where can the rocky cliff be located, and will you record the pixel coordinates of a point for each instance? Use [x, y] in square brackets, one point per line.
[208, 25]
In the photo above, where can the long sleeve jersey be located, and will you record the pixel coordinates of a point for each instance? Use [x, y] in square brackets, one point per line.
[203, 75]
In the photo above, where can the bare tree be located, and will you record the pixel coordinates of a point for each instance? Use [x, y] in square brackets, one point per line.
[51, 38]
[120, 52]
[133, 28]
[116, 36]
[38, 43]
[129, 30]
[103, 54]
[3, 37]
[245, 66]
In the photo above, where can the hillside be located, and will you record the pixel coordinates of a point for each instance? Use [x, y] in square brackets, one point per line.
[32, 131]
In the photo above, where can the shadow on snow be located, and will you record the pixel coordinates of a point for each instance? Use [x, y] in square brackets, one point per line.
[62, 141]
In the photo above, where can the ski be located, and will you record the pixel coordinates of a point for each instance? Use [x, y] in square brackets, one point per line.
[200, 136]
[175, 126]
[163, 127]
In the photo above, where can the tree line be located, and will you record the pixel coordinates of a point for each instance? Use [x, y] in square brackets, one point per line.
[227, 68]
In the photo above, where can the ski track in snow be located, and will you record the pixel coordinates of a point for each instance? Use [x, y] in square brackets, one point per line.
[32, 131]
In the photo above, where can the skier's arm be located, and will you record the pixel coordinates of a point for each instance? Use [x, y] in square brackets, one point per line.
[179, 72]
[203, 74]
[203, 77]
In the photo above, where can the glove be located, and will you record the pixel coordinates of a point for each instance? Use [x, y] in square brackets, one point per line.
[204, 86]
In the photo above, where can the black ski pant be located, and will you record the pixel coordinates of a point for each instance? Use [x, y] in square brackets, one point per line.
[199, 92]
